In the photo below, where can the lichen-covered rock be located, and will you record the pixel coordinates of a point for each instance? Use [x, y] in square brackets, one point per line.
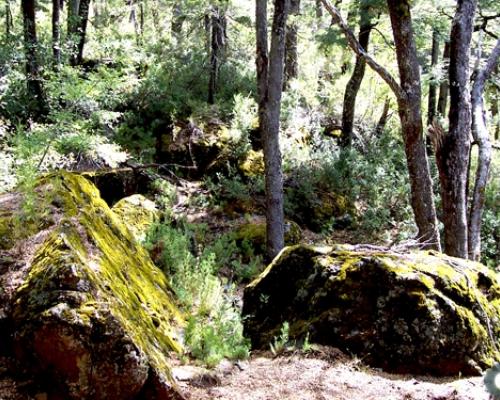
[94, 316]
[252, 163]
[138, 213]
[422, 312]
[255, 234]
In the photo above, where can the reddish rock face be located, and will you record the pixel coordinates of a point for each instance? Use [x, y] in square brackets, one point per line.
[94, 318]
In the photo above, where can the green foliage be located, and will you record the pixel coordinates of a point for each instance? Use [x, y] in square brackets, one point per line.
[279, 344]
[214, 330]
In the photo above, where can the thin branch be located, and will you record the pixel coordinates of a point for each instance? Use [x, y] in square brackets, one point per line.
[356, 47]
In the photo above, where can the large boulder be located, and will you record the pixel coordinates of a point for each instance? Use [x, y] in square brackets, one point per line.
[423, 312]
[93, 316]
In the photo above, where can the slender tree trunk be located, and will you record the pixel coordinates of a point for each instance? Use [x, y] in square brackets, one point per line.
[454, 152]
[382, 122]
[431, 110]
[56, 32]
[217, 47]
[444, 87]
[422, 198]
[38, 106]
[262, 59]
[354, 84]
[408, 94]
[83, 18]
[291, 43]
[8, 20]
[495, 108]
[270, 127]
[482, 138]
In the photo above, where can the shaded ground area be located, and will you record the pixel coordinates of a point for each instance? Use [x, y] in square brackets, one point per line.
[320, 375]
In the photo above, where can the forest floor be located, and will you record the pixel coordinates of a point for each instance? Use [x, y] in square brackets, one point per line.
[324, 374]
[321, 373]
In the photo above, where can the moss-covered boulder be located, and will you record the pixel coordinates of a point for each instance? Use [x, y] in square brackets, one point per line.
[138, 213]
[423, 313]
[255, 234]
[94, 317]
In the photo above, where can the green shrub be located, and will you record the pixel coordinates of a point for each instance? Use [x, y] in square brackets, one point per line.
[214, 330]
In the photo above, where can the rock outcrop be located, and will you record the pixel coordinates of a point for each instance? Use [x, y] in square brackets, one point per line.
[93, 317]
[423, 312]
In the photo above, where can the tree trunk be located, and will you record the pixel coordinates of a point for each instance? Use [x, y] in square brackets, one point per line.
[291, 53]
[217, 44]
[73, 6]
[444, 87]
[482, 138]
[431, 110]
[38, 106]
[8, 20]
[352, 88]
[56, 32]
[270, 127]
[453, 154]
[81, 31]
[495, 108]
[382, 122]
[408, 94]
[262, 58]
[409, 105]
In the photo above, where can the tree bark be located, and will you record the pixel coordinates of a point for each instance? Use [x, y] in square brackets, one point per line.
[81, 31]
[270, 128]
[431, 109]
[482, 138]
[262, 58]
[217, 43]
[56, 32]
[8, 20]
[444, 87]
[384, 117]
[291, 43]
[408, 95]
[37, 106]
[453, 154]
[354, 84]
[422, 198]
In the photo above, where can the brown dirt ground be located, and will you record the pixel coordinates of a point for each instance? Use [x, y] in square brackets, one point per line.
[320, 375]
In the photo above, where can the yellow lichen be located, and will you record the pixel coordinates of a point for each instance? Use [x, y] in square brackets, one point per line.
[116, 274]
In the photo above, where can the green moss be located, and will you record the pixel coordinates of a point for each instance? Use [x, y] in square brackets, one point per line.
[138, 214]
[92, 262]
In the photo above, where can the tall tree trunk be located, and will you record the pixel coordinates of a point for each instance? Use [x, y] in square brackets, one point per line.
[81, 32]
[217, 44]
[482, 138]
[73, 6]
[262, 59]
[38, 106]
[454, 152]
[8, 20]
[352, 88]
[56, 32]
[495, 108]
[291, 43]
[408, 95]
[422, 198]
[431, 109]
[444, 87]
[270, 128]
